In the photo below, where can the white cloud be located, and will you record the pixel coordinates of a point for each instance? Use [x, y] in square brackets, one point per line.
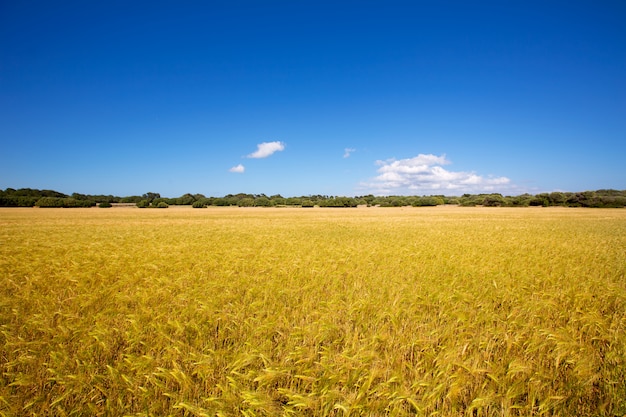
[347, 152]
[424, 174]
[266, 149]
[239, 169]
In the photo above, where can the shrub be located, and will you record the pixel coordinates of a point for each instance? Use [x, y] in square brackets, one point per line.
[51, 202]
[494, 200]
[262, 202]
[18, 201]
[428, 202]
[162, 204]
[105, 204]
[221, 202]
[246, 202]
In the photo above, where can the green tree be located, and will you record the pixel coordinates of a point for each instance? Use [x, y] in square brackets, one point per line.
[520, 200]
[201, 203]
[278, 200]
[369, 199]
[68, 202]
[338, 202]
[221, 202]
[185, 200]
[542, 199]
[49, 202]
[428, 201]
[151, 196]
[245, 202]
[262, 202]
[131, 199]
[494, 200]
[156, 201]
[293, 201]
[557, 199]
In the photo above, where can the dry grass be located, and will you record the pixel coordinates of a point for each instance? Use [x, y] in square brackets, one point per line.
[313, 312]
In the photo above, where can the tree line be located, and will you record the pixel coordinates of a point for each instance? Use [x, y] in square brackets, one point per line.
[27, 197]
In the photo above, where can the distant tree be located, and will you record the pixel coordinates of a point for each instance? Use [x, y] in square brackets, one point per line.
[542, 199]
[393, 201]
[185, 200]
[293, 201]
[278, 200]
[17, 201]
[201, 203]
[221, 202]
[469, 201]
[338, 202]
[427, 201]
[610, 193]
[494, 200]
[520, 200]
[316, 198]
[52, 202]
[591, 199]
[369, 199]
[151, 196]
[262, 202]
[156, 201]
[132, 199]
[614, 201]
[245, 202]
[28, 197]
[103, 198]
[49, 202]
[557, 199]
[233, 199]
[8, 201]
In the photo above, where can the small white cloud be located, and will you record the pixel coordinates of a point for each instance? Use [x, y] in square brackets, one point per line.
[266, 149]
[239, 169]
[425, 174]
[347, 152]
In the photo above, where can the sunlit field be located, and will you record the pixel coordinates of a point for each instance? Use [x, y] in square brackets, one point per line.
[439, 311]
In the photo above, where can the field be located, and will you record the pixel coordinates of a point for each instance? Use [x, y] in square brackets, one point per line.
[438, 311]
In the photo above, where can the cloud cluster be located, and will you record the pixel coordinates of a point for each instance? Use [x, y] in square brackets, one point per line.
[347, 152]
[266, 149]
[239, 169]
[425, 174]
[263, 150]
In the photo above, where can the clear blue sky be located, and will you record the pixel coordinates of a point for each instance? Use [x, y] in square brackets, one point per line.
[313, 97]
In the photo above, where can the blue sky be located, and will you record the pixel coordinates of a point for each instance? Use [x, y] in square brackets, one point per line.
[313, 97]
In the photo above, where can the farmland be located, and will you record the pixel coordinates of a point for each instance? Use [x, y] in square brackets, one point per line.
[440, 311]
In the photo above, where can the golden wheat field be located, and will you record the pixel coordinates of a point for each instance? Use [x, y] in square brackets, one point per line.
[438, 311]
